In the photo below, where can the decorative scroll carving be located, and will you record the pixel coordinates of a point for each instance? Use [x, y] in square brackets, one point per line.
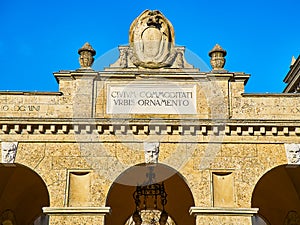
[127, 59]
[9, 152]
[293, 153]
[123, 57]
[151, 152]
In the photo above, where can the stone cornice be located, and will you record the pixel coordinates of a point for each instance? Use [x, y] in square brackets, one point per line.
[217, 211]
[240, 76]
[188, 74]
[231, 127]
[213, 75]
[73, 75]
[30, 93]
[76, 210]
[290, 95]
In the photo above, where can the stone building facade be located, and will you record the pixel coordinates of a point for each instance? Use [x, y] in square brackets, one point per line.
[151, 140]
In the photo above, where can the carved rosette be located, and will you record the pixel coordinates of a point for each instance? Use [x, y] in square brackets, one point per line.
[151, 38]
[217, 55]
[86, 58]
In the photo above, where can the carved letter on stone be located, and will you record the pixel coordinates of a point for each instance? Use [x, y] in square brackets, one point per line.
[293, 153]
[9, 151]
[151, 152]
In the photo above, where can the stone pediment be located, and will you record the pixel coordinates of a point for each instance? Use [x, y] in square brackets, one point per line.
[151, 44]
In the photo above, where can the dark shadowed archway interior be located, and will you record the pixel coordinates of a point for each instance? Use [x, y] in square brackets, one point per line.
[277, 195]
[23, 193]
[179, 197]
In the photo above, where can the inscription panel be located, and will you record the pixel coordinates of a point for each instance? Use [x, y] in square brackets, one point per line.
[151, 99]
[20, 108]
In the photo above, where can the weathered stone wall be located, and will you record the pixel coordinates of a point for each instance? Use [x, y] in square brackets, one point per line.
[194, 157]
[232, 133]
[266, 106]
[34, 105]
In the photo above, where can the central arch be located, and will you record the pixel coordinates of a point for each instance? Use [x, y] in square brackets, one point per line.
[179, 196]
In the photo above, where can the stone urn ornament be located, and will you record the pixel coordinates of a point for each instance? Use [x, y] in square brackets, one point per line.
[217, 55]
[86, 57]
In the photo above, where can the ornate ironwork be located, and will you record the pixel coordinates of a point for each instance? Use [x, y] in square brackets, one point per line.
[150, 192]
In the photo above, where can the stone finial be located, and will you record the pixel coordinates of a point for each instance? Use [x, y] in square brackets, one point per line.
[86, 53]
[292, 61]
[217, 57]
[9, 151]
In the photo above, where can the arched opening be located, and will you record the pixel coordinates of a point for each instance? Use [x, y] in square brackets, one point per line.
[23, 193]
[179, 197]
[277, 195]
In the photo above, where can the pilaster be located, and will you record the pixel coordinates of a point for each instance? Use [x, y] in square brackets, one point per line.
[80, 85]
[84, 94]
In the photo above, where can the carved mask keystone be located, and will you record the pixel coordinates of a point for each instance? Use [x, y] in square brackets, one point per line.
[9, 151]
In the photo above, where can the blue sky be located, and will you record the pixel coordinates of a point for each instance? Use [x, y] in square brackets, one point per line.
[38, 38]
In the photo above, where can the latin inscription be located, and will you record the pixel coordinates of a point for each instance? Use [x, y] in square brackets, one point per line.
[20, 108]
[151, 99]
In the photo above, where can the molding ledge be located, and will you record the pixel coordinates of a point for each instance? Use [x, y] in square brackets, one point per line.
[76, 210]
[204, 211]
